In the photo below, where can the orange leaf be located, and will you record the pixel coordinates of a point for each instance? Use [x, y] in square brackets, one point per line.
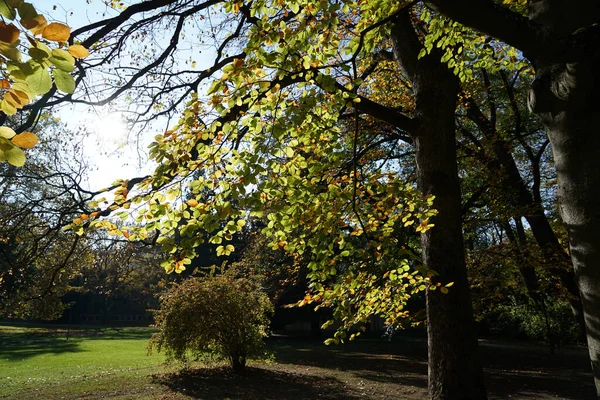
[78, 51]
[56, 32]
[8, 33]
[25, 140]
[4, 84]
[238, 63]
[192, 203]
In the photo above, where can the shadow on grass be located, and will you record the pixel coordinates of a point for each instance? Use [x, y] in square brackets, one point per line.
[402, 362]
[254, 383]
[517, 371]
[530, 371]
[18, 350]
[19, 344]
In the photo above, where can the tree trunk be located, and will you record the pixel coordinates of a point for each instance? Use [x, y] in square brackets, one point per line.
[454, 367]
[566, 99]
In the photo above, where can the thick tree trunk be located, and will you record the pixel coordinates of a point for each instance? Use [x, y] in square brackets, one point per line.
[454, 367]
[455, 370]
[566, 98]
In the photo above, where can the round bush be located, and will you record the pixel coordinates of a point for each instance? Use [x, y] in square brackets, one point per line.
[224, 316]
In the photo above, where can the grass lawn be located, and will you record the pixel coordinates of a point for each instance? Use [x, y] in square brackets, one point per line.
[39, 363]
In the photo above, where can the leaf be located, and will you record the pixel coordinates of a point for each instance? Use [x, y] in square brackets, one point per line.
[7, 108]
[78, 51]
[63, 80]
[16, 98]
[22, 87]
[15, 156]
[25, 140]
[56, 32]
[35, 25]
[444, 290]
[7, 132]
[8, 33]
[7, 11]
[62, 60]
[27, 11]
[192, 202]
[10, 50]
[39, 81]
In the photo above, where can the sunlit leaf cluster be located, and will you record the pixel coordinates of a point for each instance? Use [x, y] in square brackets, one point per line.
[31, 67]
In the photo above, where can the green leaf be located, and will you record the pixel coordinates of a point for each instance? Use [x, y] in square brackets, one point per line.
[62, 60]
[15, 156]
[7, 11]
[39, 81]
[27, 11]
[64, 81]
[38, 54]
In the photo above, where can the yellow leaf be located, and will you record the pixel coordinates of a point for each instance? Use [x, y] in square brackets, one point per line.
[24, 97]
[56, 32]
[6, 132]
[192, 202]
[78, 51]
[16, 98]
[444, 290]
[25, 140]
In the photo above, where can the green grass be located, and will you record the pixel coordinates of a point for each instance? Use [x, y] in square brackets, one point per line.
[36, 361]
[39, 363]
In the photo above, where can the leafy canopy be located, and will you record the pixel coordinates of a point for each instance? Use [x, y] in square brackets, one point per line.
[279, 136]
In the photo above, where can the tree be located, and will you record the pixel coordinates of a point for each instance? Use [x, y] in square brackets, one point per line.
[281, 82]
[511, 146]
[274, 111]
[36, 201]
[220, 315]
[559, 39]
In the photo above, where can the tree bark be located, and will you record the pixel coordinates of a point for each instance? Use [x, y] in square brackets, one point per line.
[455, 370]
[565, 96]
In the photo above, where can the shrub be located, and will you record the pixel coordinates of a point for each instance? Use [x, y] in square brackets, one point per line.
[224, 316]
